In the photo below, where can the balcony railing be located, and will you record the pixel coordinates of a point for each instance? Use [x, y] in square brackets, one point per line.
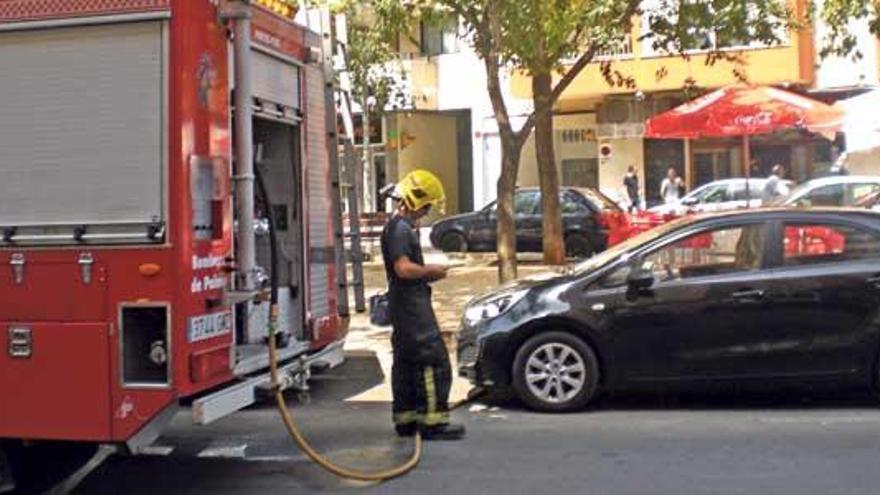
[619, 49]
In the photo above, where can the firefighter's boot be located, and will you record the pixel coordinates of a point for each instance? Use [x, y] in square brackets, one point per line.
[449, 431]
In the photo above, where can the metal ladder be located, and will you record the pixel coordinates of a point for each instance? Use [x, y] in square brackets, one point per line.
[344, 167]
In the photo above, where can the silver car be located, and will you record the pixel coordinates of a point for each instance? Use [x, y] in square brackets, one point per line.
[846, 190]
[721, 195]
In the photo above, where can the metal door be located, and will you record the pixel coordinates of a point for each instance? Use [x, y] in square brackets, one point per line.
[580, 172]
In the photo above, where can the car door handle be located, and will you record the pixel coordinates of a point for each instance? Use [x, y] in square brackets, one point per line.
[747, 295]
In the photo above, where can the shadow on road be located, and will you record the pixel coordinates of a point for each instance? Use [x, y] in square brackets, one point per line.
[720, 398]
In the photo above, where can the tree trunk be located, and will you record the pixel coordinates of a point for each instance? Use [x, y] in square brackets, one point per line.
[511, 145]
[552, 235]
[506, 228]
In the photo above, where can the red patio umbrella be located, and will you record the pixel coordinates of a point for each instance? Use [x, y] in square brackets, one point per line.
[745, 111]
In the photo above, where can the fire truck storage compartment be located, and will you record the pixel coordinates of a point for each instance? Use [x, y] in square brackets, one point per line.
[82, 134]
[277, 153]
[59, 389]
[144, 335]
[277, 157]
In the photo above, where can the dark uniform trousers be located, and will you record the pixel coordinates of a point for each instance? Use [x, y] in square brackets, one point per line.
[421, 376]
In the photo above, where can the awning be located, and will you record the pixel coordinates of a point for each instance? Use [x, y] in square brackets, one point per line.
[745, 111]
[861, 121]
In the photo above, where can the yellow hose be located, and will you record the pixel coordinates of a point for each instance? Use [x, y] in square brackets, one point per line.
[300, 440]
[319, 459]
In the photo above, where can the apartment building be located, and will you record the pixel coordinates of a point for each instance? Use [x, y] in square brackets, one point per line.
[599, 128]
[610, 119]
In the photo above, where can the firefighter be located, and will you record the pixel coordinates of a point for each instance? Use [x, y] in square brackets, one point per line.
[421, 375]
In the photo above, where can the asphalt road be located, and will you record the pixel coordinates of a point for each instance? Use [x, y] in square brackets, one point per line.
[794, 442]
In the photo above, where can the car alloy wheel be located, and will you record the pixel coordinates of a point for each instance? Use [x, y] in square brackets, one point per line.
[555, 371]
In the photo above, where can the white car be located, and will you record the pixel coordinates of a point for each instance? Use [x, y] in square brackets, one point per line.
[721, 195]
[844, 190]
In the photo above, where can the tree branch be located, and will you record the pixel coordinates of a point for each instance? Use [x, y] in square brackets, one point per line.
[586, 57]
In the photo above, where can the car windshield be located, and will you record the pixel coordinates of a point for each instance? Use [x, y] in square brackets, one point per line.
[711, 193]
[755, 189]
[616, 251]
[599, 200]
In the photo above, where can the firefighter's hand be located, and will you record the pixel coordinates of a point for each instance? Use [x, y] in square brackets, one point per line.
[435, 272]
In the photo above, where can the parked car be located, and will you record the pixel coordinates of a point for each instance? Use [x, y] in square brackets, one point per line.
[587, 216]
[844, 190]
[721, 195]
[751, 295]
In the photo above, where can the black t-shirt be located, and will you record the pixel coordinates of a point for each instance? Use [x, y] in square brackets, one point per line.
[399, 239]
[632, 185]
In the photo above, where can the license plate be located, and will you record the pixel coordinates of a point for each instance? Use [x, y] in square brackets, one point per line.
[208, 326]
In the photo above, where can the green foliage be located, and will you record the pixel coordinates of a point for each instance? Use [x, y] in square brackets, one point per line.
[836, 15]
[373, 30]
[540, 36]
[679, 26]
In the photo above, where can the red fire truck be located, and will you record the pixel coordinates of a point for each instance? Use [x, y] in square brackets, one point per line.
[133, 247]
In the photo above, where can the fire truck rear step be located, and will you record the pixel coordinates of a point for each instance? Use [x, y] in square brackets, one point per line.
[245, 393]
[255, 357]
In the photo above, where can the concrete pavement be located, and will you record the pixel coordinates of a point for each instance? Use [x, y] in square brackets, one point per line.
[717, 443]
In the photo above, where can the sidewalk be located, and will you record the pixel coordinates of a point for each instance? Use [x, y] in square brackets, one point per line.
[478, 275]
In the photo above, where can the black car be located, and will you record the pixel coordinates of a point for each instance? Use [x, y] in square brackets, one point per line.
[755, 295]
[586, 216]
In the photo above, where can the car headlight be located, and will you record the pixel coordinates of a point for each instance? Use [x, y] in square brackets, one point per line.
[493, 307]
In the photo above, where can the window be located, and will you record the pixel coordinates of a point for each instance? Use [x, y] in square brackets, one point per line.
[571, 204]
[830, 195]
[712, 194]
[855, 194]
[599, 201]
[734, 29]
[806, 244]
[738, 191]
[712, 252]
[864, 194]
[440, 37]
[869, 200]
[526, 202]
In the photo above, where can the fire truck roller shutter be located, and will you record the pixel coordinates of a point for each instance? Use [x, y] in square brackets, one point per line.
[317, 168]
[82, 106]
[274, 80]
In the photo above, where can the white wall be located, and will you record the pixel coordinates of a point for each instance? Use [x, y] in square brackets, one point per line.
[625, 152]
[836, 72]
[528, 168]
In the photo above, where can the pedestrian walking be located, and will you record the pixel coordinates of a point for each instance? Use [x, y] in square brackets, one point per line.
[671, 188]
[631, 183]
[421, 376]
[775, 186]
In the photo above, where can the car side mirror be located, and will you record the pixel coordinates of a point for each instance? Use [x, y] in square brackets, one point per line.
[640, 279]
[689, 201]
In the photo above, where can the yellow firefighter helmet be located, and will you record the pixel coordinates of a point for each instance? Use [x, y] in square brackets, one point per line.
[421, 188]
